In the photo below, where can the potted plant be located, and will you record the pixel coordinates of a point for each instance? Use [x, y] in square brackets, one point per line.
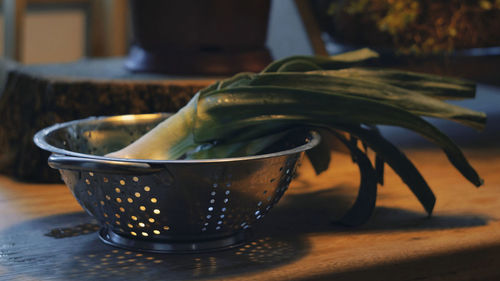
[420, 27]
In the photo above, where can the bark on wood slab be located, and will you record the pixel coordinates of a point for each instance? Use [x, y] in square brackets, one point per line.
[5, 66]
[39, 96]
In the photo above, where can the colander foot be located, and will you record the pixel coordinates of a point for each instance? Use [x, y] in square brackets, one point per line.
[166, 246]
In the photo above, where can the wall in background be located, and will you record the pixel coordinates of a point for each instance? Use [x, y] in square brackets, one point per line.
[287, 35]
[52, 36]
[1, 34]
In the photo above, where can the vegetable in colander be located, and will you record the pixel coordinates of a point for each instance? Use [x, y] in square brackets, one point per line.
[251, 111]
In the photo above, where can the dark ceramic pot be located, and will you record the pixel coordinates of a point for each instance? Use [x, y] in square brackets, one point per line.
[199, 36]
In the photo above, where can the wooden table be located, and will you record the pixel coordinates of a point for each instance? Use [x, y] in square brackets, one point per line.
[296, 241]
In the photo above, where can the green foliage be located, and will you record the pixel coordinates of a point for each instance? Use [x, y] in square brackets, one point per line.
[417, 26]
[249, 112]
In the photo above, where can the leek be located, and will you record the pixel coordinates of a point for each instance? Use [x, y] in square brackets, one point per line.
[251, 111]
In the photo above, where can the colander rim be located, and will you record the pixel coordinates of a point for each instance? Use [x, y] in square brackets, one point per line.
[40, 140]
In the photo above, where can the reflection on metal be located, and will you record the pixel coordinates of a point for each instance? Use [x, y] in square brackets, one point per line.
[166, 206]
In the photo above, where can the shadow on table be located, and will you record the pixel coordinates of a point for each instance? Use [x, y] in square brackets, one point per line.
[66, 247]
[316, 212]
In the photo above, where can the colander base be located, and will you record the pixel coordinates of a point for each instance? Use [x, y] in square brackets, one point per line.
[175, 247]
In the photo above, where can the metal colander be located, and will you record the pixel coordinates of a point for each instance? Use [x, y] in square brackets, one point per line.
[166, 206]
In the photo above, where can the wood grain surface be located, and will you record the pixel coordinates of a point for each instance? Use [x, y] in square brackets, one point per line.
[297, 240]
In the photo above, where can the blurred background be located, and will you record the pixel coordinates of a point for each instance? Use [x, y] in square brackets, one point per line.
[457, 37]
[70, 59]
[54, 31]
[48, 31]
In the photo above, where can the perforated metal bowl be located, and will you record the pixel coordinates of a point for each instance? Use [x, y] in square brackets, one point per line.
[166, 206]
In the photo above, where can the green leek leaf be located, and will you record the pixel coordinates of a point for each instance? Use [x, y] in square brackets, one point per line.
[221, 112]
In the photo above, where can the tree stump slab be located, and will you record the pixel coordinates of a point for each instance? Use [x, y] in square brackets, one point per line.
[35, 97]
